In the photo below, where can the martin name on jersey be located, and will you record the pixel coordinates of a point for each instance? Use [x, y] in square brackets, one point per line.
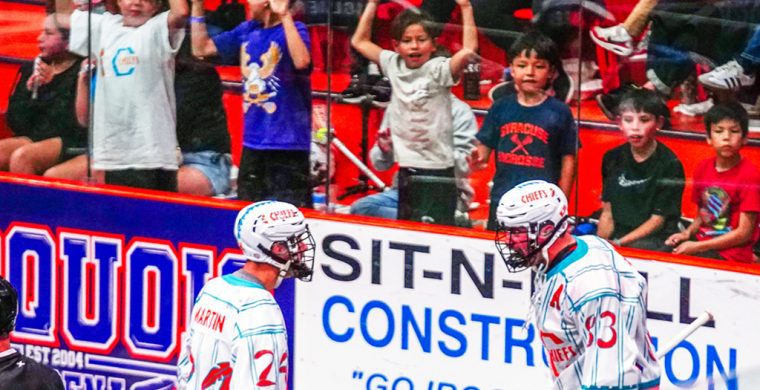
[238, 338]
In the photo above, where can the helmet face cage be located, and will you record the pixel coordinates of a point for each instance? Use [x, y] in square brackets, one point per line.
[294, 256]
[275, 233]
[301, 248]
[520, 246]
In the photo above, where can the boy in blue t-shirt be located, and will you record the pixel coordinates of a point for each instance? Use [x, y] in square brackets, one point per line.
[273, 52]
[534, 134]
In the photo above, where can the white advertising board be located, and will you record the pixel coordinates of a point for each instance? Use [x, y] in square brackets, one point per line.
[394, 309]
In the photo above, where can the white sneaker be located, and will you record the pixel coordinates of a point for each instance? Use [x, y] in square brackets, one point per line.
[640, 48]
[591, 88]
[695, 109]
[615, 39]
[752, 109]
[729, 76]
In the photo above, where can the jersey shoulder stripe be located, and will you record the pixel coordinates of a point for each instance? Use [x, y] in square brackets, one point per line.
[257, 303]
[239, 282]
[234, 292]
[603, 272]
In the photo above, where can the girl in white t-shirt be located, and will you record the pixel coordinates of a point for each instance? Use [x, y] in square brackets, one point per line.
[134, 122]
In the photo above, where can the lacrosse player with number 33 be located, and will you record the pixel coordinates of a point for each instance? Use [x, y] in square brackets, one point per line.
[589, 306]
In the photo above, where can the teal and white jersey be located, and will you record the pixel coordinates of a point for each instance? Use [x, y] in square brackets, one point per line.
[591, 315]
[236, 339]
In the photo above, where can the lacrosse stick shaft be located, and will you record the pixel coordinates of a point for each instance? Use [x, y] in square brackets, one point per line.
[359, 164]
[686, 332]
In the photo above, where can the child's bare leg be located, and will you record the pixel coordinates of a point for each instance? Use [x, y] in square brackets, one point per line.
[637, 20]
[7, 147]
[74, 169]
[35, 158]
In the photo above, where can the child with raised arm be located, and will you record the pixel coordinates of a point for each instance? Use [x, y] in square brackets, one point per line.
[726, 191]
[534, 135]
[273, 53]
[420, 108]
[134, 136]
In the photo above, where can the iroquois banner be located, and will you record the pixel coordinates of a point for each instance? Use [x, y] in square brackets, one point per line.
[106, 279]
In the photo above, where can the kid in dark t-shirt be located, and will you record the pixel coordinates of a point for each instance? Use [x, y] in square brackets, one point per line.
[642, 180]
[534, 135]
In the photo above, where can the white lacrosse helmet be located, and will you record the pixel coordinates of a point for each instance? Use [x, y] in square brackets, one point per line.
[531, 216]
[276, 233]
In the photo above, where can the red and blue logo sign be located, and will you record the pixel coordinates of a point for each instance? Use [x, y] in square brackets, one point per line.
[106, 283]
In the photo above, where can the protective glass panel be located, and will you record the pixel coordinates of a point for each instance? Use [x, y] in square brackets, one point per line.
[665, 72]
[271, 100]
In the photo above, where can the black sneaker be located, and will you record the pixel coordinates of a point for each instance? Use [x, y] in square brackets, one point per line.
[502, 89]
[609, 102]
[355, 91]
[563, 88]
[381, 92]
[609, 105]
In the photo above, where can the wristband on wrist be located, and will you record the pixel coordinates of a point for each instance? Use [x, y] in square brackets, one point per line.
[197, 19]
[616, 241]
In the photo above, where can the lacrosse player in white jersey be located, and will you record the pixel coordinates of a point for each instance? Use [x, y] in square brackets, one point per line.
[236, 337]
[589, 304]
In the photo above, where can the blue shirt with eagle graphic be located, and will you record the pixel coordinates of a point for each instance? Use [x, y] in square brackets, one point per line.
[276, 95]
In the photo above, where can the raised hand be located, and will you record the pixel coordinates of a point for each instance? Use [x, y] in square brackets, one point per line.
[279, 7]
[463, 3]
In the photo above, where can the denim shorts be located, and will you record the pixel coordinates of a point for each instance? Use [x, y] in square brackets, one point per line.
[214, 165]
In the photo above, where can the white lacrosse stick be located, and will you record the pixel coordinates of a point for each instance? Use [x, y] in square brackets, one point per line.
[686, 332]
